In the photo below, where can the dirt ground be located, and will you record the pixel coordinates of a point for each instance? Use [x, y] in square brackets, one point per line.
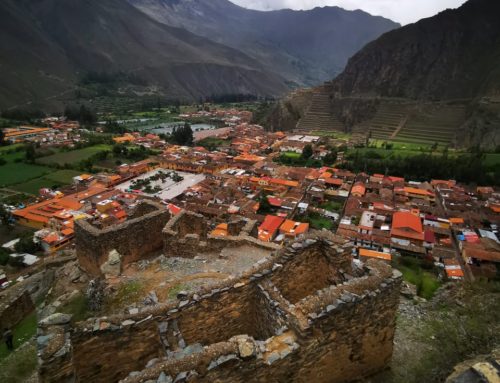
[166, 276]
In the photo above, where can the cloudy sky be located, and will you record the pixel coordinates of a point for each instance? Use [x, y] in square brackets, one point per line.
[402, 11]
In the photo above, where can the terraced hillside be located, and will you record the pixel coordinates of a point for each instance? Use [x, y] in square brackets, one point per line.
[319, 116]
[387, 122]
[432, 123]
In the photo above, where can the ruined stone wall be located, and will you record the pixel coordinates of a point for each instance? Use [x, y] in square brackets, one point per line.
[15, 310]
[337, 333]
[314, 270]
[220, 317]
[133, 239]
[126, 349]
[186, 235]
[18, 301]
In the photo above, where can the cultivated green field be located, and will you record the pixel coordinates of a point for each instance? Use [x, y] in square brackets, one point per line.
[14, 173]
[74, 156]
[52, 180]
[30, 178]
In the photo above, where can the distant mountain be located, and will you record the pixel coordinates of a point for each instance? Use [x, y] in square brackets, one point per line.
[46, 46]
[453, 55]
[305, 47]
[437, 80]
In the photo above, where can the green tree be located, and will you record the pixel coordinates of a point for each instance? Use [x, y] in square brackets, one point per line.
[307, 152]
[4, 256]
[5, 216]
[30, 153]
[331, 157]
[27, 245]
[183, 135]
[264, 205]
[2, 137]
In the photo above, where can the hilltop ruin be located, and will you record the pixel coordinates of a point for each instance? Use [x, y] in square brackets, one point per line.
[307, 313]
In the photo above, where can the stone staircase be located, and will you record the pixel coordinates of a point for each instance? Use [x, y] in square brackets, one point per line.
[319, 115]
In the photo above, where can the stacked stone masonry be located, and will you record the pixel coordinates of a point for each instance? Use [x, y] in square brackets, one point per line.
[336, 325]
[18, 301]
[187, 235]
[140, 235]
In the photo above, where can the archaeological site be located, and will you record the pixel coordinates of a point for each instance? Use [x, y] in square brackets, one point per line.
[307, 312]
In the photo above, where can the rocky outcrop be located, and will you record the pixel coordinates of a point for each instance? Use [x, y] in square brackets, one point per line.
[113, 266]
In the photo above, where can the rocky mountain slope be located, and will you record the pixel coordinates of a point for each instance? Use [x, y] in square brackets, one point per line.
[47, 45]
[305, 47]
[437, 80]
[453, 55]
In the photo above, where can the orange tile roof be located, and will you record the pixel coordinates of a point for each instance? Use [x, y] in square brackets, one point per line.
[51, 238]
[43, 211]
[407, 225]
[120, 214]
[67, 232]
[495, 208]
[269, 227]
[358, 188]
[455, 273]
[418, 191]
[326, 175]
[220, 230]
[279, 181]
[334, 181]
[294, 228]
[173, 209]
[374, 254]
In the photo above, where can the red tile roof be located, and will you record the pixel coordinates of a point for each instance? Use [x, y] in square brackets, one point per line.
[407, 225]
[269, 227]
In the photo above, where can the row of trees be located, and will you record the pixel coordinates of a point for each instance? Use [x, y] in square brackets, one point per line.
[468, 168]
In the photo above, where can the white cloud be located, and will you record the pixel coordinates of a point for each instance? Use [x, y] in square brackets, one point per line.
[402, 11]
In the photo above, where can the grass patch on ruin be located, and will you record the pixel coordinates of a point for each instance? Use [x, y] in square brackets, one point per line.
[19, 365]
[25, 330]
[465, 324]
[127, 293]
[78, 307]
[420, 274]
[172, 293]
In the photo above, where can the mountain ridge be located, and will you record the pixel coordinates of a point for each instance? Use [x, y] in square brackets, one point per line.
[64, 39]
[307, 47]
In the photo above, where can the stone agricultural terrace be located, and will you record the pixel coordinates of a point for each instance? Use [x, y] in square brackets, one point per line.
[308, 313]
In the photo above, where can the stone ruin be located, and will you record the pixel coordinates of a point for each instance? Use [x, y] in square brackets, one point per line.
[309, 313]
[105, 252]
[140, 235]
[187, 235]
